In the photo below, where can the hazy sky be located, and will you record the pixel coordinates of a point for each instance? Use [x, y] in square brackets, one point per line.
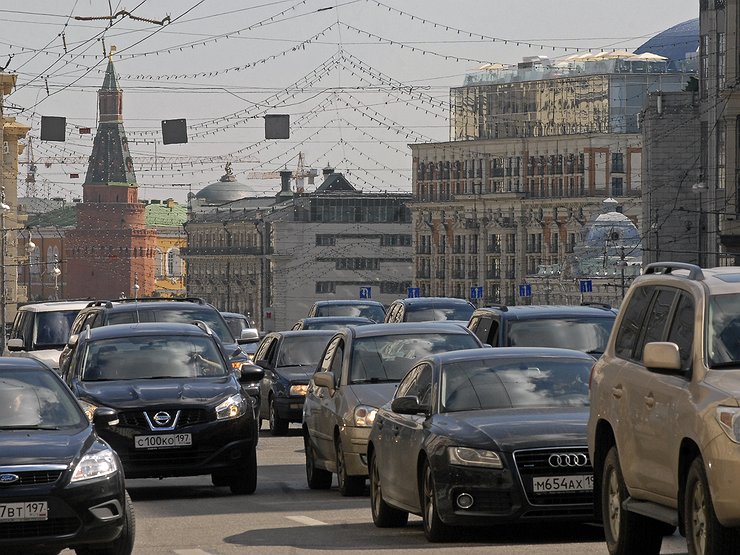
[360, 79]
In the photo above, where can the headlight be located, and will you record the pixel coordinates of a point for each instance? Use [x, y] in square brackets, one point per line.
[365, 416]
[729, 421]
[299, 390]
[466, 456]
[232, 407]
[95, 465]
[89, 409]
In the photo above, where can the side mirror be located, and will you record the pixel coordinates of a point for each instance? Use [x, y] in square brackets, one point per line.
[408, 404]
[324, 379]
[662, 355]
[249, 373]
[72, 341]
[103, 416]
[15, 344]
[264, 363]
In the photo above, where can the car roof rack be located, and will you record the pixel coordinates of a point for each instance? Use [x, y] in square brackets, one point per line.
[605, 306]
[196, 300]
[106, 304]
[501, 307]
[695, 272]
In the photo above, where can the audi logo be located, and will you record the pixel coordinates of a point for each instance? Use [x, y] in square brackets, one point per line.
[567, 460]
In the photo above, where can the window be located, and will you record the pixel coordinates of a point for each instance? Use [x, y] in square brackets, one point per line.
[158, 263]
[655, 325]
[617, 162]
[617, 186]
[174, 262]
[721, 60]
[704, 65]
[721, 154]
[632, 322]
[682, 330]
[326, 287]
[325, 240]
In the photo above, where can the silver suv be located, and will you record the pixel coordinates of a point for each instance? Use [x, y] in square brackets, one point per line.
[664, 426]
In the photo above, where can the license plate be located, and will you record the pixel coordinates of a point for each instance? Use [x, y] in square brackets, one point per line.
[163, 441]
[554, 484]
[23, 511]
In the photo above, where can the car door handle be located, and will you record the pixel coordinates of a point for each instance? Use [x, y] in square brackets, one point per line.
[396, 430]
[650, 401]
[617, 392]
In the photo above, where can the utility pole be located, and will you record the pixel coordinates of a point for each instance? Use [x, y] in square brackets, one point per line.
[622, 265]
[3, 300]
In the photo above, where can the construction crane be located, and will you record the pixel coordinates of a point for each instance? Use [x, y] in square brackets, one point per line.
[298, 176]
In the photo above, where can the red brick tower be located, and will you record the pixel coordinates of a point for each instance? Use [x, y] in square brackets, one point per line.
[111, 247]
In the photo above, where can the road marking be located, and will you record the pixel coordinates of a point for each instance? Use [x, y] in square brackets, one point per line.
[191, 552]
[308, 521]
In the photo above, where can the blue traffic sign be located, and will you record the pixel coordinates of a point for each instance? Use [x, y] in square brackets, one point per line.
[586, 286]
[525, 290]
[413, 292]
[366, 292]
[476, 292]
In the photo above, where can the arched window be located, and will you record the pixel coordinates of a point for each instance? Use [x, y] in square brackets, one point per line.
[174, 262]
[158, 263]
[35, 261]
[52, 253]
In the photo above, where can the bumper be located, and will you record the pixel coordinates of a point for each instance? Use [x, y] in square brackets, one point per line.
[219, 446]
[354, 445]
[83, 514]
[290, 408]
[498, 497]
[722, 465]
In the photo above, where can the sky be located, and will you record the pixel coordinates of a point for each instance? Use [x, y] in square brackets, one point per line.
[360, 79]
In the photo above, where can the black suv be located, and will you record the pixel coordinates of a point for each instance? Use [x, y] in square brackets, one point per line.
[129, 311]
[429, 309]
[60, 484]
[181, 407]
[583, 328]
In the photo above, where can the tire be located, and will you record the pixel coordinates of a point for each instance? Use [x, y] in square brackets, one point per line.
[434, 529]
[349, 486]
[384, 516]
[123, 544]
[245, 480]
[278, 426]
[626, 533]
[704, 534]
[317, 478]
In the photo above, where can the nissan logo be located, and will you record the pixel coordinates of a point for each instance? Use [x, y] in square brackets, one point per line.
[161, 418]
[568, 460]
[9, 478]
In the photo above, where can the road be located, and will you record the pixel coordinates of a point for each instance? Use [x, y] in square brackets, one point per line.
[188, 516]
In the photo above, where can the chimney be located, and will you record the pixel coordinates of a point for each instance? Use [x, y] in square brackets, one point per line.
[328, 170]
[285, 176]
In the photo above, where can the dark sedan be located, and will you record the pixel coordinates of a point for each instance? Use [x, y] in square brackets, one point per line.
[330, 322]
[60, 484]
[485, 436]
[289, 359]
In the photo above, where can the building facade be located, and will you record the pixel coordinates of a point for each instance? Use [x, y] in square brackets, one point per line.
[167, 218]
[537, 149]
[275, 260]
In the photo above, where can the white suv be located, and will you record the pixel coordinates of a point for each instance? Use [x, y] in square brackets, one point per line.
[41, 330]
[664, 426]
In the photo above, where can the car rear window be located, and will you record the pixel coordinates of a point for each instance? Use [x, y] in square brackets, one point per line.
[176, 315]
[164, 356]
[302, 351]
[437, 312]
[499, 383]
[51, 329]
[374, 312]
[588, 335]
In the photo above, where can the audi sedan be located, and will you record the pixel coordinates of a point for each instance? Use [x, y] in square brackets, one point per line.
[482, 437]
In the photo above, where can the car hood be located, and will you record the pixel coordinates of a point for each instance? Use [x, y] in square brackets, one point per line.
[43, 446]
[726, 380]
[50, 357]
[373, 394]
[511, 429]
[138, 393]
[296, 374]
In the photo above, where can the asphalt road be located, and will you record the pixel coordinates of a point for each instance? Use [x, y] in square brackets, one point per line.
[188, 516]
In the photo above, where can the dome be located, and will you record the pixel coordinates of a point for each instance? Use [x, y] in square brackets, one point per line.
[677, 43]
[226, 189]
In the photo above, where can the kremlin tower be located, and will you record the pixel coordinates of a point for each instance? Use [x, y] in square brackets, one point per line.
[111, 249]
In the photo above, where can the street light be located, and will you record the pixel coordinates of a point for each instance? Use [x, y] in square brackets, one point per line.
[30, 248]
[57, 272]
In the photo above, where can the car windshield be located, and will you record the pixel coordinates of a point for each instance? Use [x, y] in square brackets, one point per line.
[34, 399]
[502, 383]
[374, 312]
[302, 351]
[588, 335]
[388, 358]
[333, 324]
[723, 331]
[51, 329]
[210, 316]
[163, 356]
[436, 312]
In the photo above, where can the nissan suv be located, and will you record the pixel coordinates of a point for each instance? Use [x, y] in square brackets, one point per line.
[664, 426]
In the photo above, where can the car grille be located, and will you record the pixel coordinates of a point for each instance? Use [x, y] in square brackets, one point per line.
[136, 419]
[35, 477]
[535, 463]
[165, 457]
[38, 529]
